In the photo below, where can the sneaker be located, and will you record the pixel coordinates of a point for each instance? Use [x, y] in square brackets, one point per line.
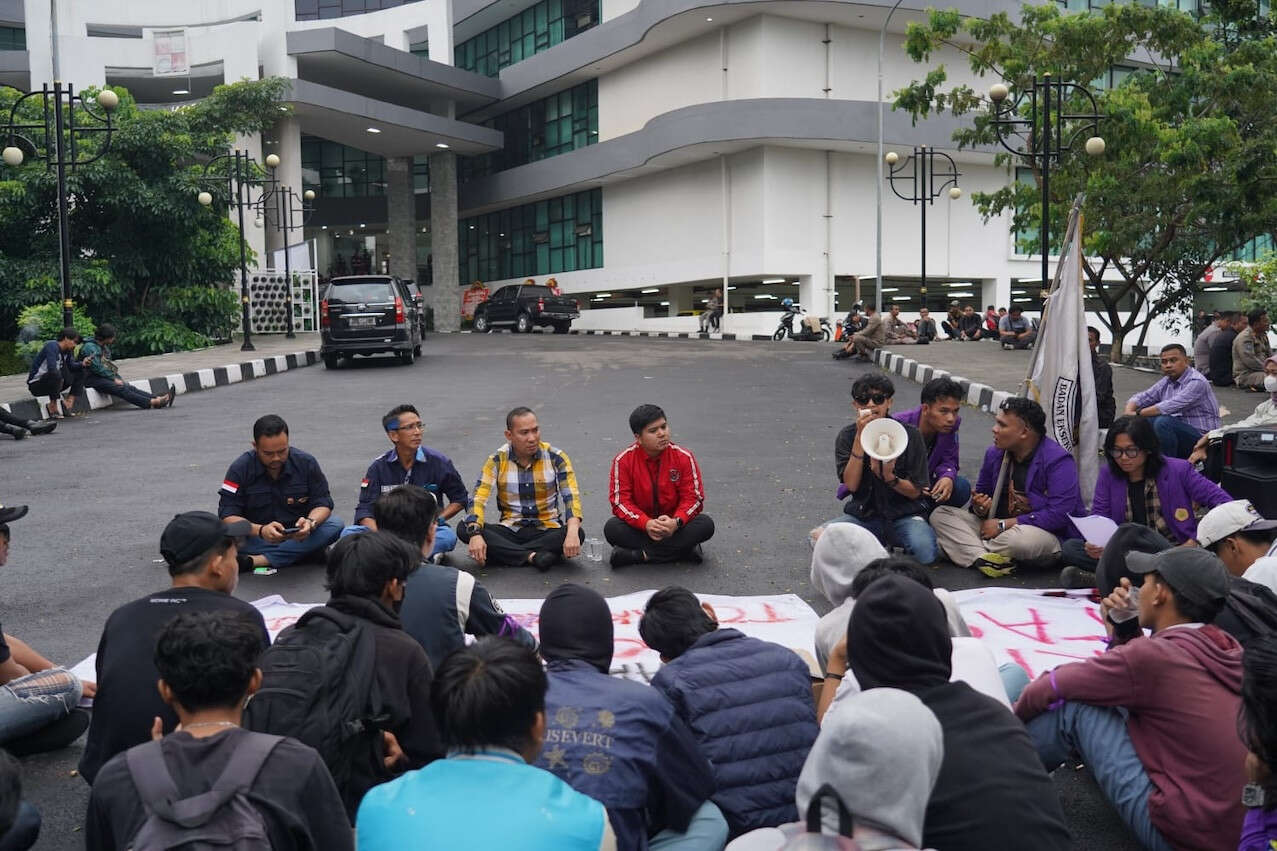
[695, 555]
[1074, 577]
[624, 557]
[38, 427]
[244, 563]
[994, 565]
[544, 560]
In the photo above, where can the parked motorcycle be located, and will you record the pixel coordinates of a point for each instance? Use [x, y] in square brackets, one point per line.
[805, 333]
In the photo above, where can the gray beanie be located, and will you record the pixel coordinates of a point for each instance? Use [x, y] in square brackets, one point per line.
[881, 750]
[842, 551]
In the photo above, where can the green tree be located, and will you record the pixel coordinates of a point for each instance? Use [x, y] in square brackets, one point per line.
[1260, 279]
[1190, 171]
[140, 239]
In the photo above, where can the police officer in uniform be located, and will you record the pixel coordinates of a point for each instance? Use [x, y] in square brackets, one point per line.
[284, 495]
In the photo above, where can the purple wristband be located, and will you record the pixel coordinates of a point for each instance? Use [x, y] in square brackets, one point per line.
[1059, 701]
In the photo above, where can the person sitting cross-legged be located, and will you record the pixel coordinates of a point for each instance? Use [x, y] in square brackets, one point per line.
[283, 494]
[490, 702]
[1014, 331]
[970, 327]
[1040, 493]
[926, 327]
[938, 421]
[410, 463]
[532, 479]
[1139, 485]
[1155, 718]
[1250, 349]
[441, 605]
[748, 702]
[207, 665]
[657, 497]
[992, 791]
[620, 742]
[887, 497]
[1181, 405]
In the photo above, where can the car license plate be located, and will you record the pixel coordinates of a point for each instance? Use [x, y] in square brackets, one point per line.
[361, 321]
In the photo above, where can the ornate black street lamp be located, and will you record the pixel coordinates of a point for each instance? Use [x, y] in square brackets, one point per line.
[57, 140]
[1052, 131]
[918, 172]
[238, 184]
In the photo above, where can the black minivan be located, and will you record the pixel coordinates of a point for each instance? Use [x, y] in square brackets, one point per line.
[368, 315]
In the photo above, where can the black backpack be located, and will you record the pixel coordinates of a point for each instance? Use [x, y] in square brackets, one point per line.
[1250, 611]
[318, 686]
[222, 818]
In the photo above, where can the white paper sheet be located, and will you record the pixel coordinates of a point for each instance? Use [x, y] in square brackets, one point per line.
[1095, 528]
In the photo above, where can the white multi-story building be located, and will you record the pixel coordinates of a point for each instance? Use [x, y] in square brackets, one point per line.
[640, 153]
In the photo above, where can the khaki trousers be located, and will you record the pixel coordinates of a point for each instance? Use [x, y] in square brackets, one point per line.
[958, 534]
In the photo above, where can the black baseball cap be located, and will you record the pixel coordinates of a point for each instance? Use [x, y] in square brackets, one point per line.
[1194, 573]
[191, 533]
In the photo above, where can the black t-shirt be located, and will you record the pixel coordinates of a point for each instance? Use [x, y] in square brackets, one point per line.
[127, 699]
[1019, 478]
[1139, 507]
[294, 793]
[873, 491]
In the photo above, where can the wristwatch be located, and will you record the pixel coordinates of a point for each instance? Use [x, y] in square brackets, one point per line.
[1253, 795]
[678, 522]
[1002, 525]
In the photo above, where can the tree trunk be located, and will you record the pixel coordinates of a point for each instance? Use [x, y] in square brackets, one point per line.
[1119, 336]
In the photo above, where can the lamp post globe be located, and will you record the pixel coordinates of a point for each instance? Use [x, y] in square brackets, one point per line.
[309, 194]
[1095, 146]
[998, 92]
[12, 156]
[892, 158]
[257, 222]
[108, 99]
[955, 192]
[205, 198]
[272, 160]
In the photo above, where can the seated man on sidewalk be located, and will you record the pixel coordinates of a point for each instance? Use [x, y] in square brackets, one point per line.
[970, 326]
[887, 498]
[105, 378]
[938, 421]
[1156, 718]
[926, 327]
[1250, 349]
[1182, 404]
[898, 331]
[1015, 331]
[200, 551]
[531, 479]
[1221, 350]
[38, 699]
[442, 605]
[656, 784]
[54, 370]
[657, 496]
[1040, 492]
[284, 495]
[489, 701]
[748, 702]
[952, 326]
[410, 463]
[207, 666]
[1209, 447]
[874, 334]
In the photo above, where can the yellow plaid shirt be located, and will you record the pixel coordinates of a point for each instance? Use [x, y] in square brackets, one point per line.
[528, 496]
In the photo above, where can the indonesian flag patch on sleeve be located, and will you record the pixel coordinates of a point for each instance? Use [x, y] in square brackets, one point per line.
[364, 483]
[230, 487]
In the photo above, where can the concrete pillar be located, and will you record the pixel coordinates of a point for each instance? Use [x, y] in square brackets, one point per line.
[401, 218]
[446, 291]
[811, 294]
[680, 299]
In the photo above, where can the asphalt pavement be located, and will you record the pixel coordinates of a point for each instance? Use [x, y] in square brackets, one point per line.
[761, 418]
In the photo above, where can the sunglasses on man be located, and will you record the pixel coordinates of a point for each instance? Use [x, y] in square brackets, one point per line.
[876, 399]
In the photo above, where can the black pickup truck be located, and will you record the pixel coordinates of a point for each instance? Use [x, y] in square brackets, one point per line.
[523, 306]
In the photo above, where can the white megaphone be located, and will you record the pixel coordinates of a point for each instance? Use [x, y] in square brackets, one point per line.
[884, 439]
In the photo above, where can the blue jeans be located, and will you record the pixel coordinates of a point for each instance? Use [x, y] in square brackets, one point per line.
[913, 533]
[961, 493]
[707, 832]
[445, 537]
[1176, 436]
[35, 701]
[1098, 734]
[287, 552]
[1014, 680]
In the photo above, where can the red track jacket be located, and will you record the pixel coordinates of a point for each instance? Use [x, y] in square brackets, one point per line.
[642, 488]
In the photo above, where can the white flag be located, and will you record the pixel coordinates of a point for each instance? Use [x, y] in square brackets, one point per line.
[1062, 381]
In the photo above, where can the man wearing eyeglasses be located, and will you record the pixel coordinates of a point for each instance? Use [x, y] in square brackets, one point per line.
[887, 497]
[410, 463]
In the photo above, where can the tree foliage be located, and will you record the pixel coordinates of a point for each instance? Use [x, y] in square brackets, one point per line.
[1190, 171]
[140, 239]
[1260, 280]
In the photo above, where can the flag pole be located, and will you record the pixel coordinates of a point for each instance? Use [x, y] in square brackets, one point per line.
[1075, 216]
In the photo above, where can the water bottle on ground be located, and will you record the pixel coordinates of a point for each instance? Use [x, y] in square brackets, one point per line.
[594, 549]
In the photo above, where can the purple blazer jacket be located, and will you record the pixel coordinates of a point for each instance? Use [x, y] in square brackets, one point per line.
[1179, 487]
[1051, 486]
[943, 461]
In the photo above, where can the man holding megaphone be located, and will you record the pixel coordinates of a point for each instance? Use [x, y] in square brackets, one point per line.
[884, 464]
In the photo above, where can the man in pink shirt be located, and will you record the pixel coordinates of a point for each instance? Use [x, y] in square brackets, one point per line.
[1155, 718]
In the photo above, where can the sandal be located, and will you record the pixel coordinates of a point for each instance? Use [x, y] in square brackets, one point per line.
[53, 412]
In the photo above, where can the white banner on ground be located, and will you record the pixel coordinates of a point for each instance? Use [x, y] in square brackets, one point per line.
[1062, 380]
[1037, 630]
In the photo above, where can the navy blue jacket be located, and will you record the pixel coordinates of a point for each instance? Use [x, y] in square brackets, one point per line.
[749, 704]
[442, 604]
[620, 742]
[431, 470]
[249, 492]
[51, 358]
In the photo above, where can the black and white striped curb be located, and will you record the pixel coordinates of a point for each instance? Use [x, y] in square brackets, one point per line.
[670, 335]
[184, 382]
[978, 395]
